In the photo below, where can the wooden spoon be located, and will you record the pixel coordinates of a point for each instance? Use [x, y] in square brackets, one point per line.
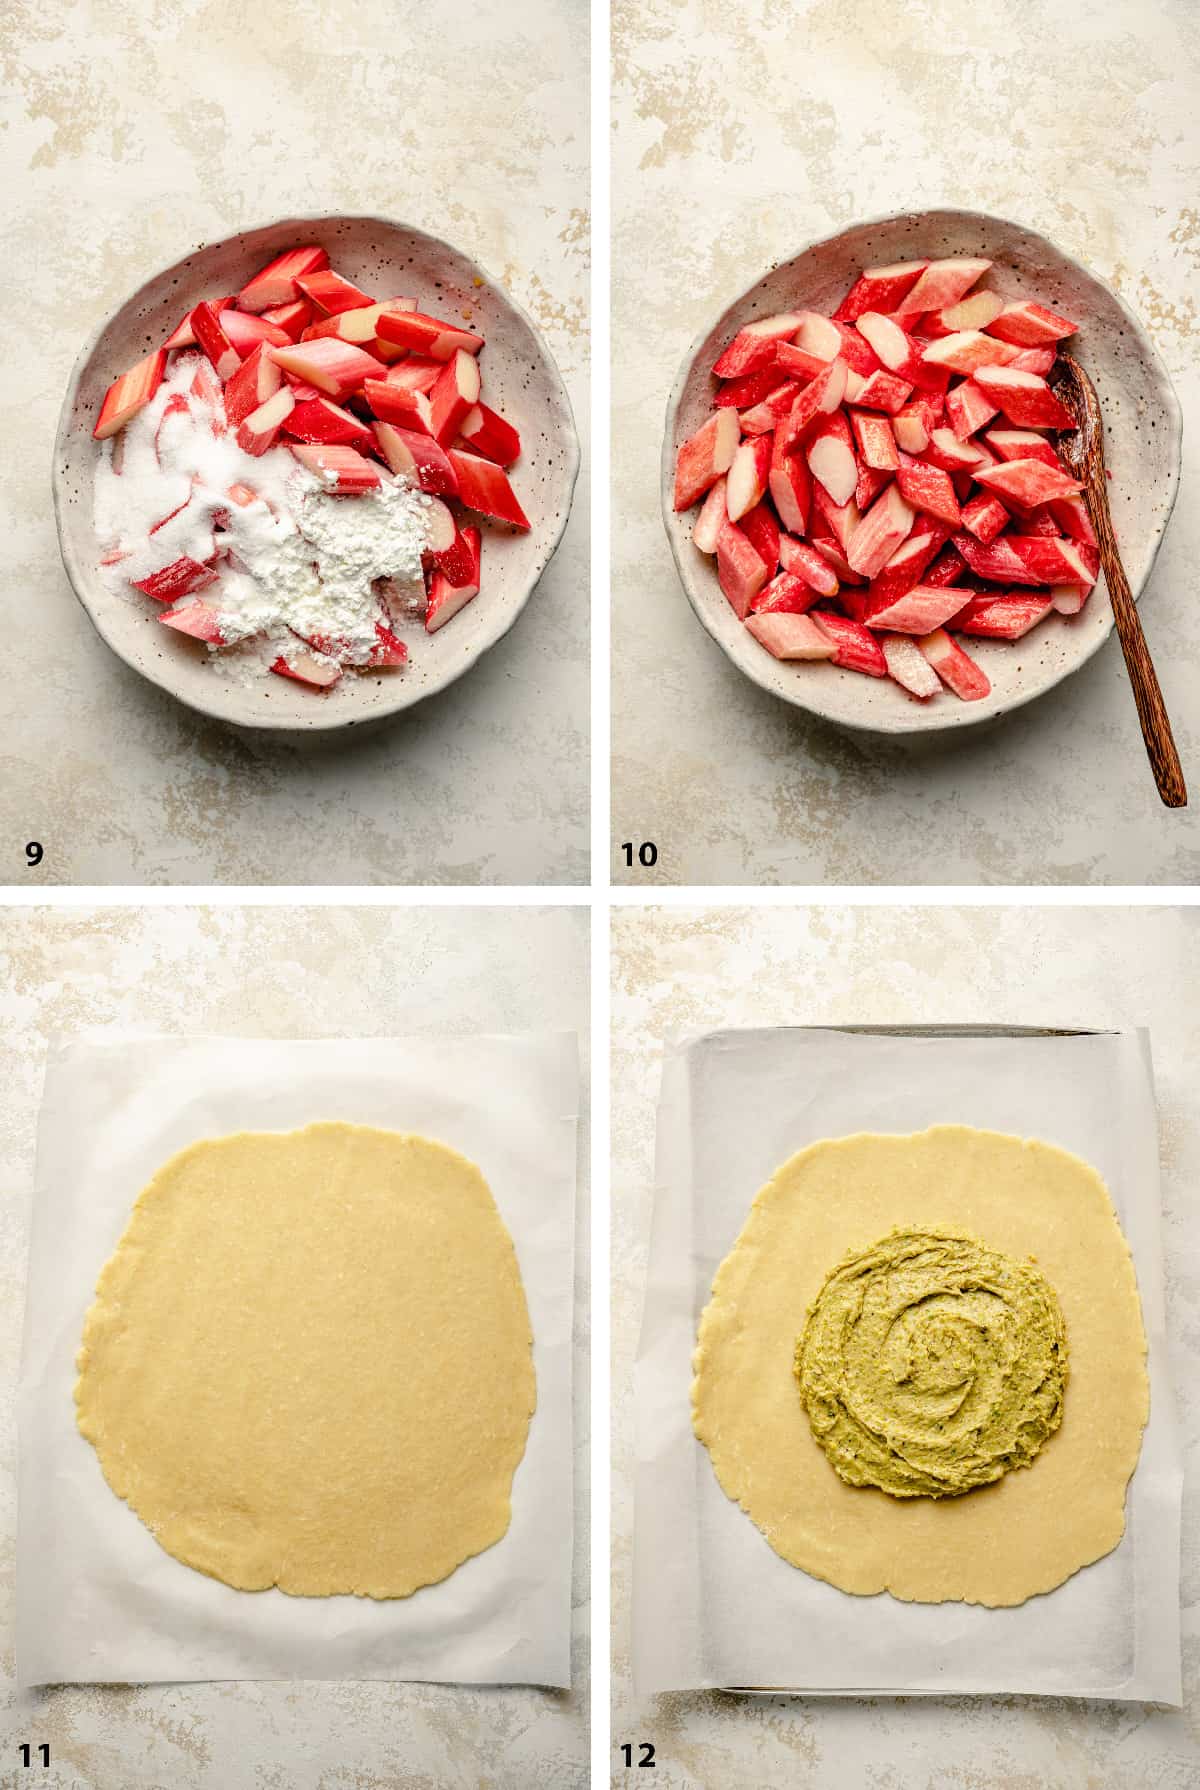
[1082, 450]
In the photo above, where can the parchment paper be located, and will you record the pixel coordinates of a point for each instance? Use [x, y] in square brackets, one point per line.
[713, 1604]
[97, 1598]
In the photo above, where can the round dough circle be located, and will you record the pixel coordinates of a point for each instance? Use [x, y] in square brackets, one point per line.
[1002, 1543]
[309, 1361]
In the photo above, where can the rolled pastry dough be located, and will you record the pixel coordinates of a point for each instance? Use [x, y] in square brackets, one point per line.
[1001, 1543]
[309, 1362]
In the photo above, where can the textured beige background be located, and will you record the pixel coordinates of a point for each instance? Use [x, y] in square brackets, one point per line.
[683, 968]
[284, 973]
[135, 128]
[743, 131]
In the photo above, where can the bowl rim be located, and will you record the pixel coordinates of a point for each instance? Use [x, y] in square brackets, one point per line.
[960, 714]
[326, 718]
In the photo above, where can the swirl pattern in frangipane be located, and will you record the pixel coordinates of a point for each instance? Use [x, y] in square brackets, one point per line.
[931, 1364]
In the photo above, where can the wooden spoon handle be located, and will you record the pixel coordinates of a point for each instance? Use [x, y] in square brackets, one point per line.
[1152, 710]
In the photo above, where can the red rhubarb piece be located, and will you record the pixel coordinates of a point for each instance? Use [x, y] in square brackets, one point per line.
[245, 331]
[966, 351]
[884, 528]
[484, 486]
[333, 366]
[450, 590]
[400, 404]
[820, 397]
[303, 669]
[855, 647]
[342, 470]
[746, 483]
[985, 517]
[908, 667]
[276, 284]
[702, 459]
[214, 342]
[754, 347]
[941, 283]
[975, 312]
[427, 335]
[763, 533]
[803, 560]
[1030, 325]
[763, 417]
[1025, 398]
[418, 457]
[1004, 615]
[968, 408]
[713, 516]
[790, 636]
[452, 396]
[928, 488]
[292, 318]
[880, 289]
[179, 579]
[752, 388]
[790, 485]
[785, 594]
[198, 620]
[260, 430]
[957, 670]
[485, 432]
[257, 379]
[330, 293]
[919, 611]
[876, 440]
[1027, 482]
[1022, 444]
[319, 419]
[740, 569]
[129, 394]
[830, 454]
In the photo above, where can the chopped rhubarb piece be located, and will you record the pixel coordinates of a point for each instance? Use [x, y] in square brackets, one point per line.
[966, 351]
[1071, 515]
[1025, 398]
[840, 519]
[342, 470]
[257, 379]
[792, 362]
[996, 562]
[870, 483]
[415, 375]
[820, 397]
[1004, 616]
[941, 283]
[713, 516]
[751, 388]
[204, 386]
[957, 670]
[908, 667]
[1036, 522]
[330, 292]
[199, 620]
[919, 611]
[928, 488]
[321, 420]
[400, 404]
[176, 405]
[790, 636]
[985, 517]
[276, 283]
[819, 336]
[129, 394]
[740, 569]
[484, 486]
[763, 533]
[831, 552]
[884, 528]
[947, 568]
[179, 579]
[856, 648]
[1069, 599]
[333, 366]
[388, 650]
[893, 347]
[907, 564]
[913, 425]
[876, 440]
[785, 594]
[968, 408]
[1035, 360]
[830, 455]
[880, 289]
[857, 351]
[883, 391]
[214, 342]
[245, 331]
[975, 312]
[1022, 444]
[1056, 561]
[417, 457]
[802, 560]
[703, 458]
[443, 538]
[1030, 325]
[1027, 482]
[767, 415]
[293, 318]
[748, 472]
[260, 430]
[485, 432]
[456, 390]
[184, 336]
[427, 335]
[790, 484]
[449, 591]
[946, 451]
[303, 669]
[754, 347]
[301, 390]
[359, 325]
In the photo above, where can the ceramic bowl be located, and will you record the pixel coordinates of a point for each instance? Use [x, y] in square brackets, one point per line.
[521, 381]
[1142, 435]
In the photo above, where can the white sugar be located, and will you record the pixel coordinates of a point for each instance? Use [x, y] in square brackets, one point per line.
[298, 561]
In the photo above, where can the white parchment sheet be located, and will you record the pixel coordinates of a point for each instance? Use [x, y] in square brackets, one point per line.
[713, 1605]
[97, 1598]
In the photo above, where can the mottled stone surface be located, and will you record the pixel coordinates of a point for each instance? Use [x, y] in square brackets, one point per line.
[740, 134]
[135, 129]
[686, 968]
[285, 973]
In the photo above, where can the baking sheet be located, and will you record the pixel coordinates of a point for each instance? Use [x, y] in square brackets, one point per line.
[97, 1598]
[714, 1606]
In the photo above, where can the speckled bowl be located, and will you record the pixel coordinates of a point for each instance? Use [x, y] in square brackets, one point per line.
[1142, 434]
[520, 379]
